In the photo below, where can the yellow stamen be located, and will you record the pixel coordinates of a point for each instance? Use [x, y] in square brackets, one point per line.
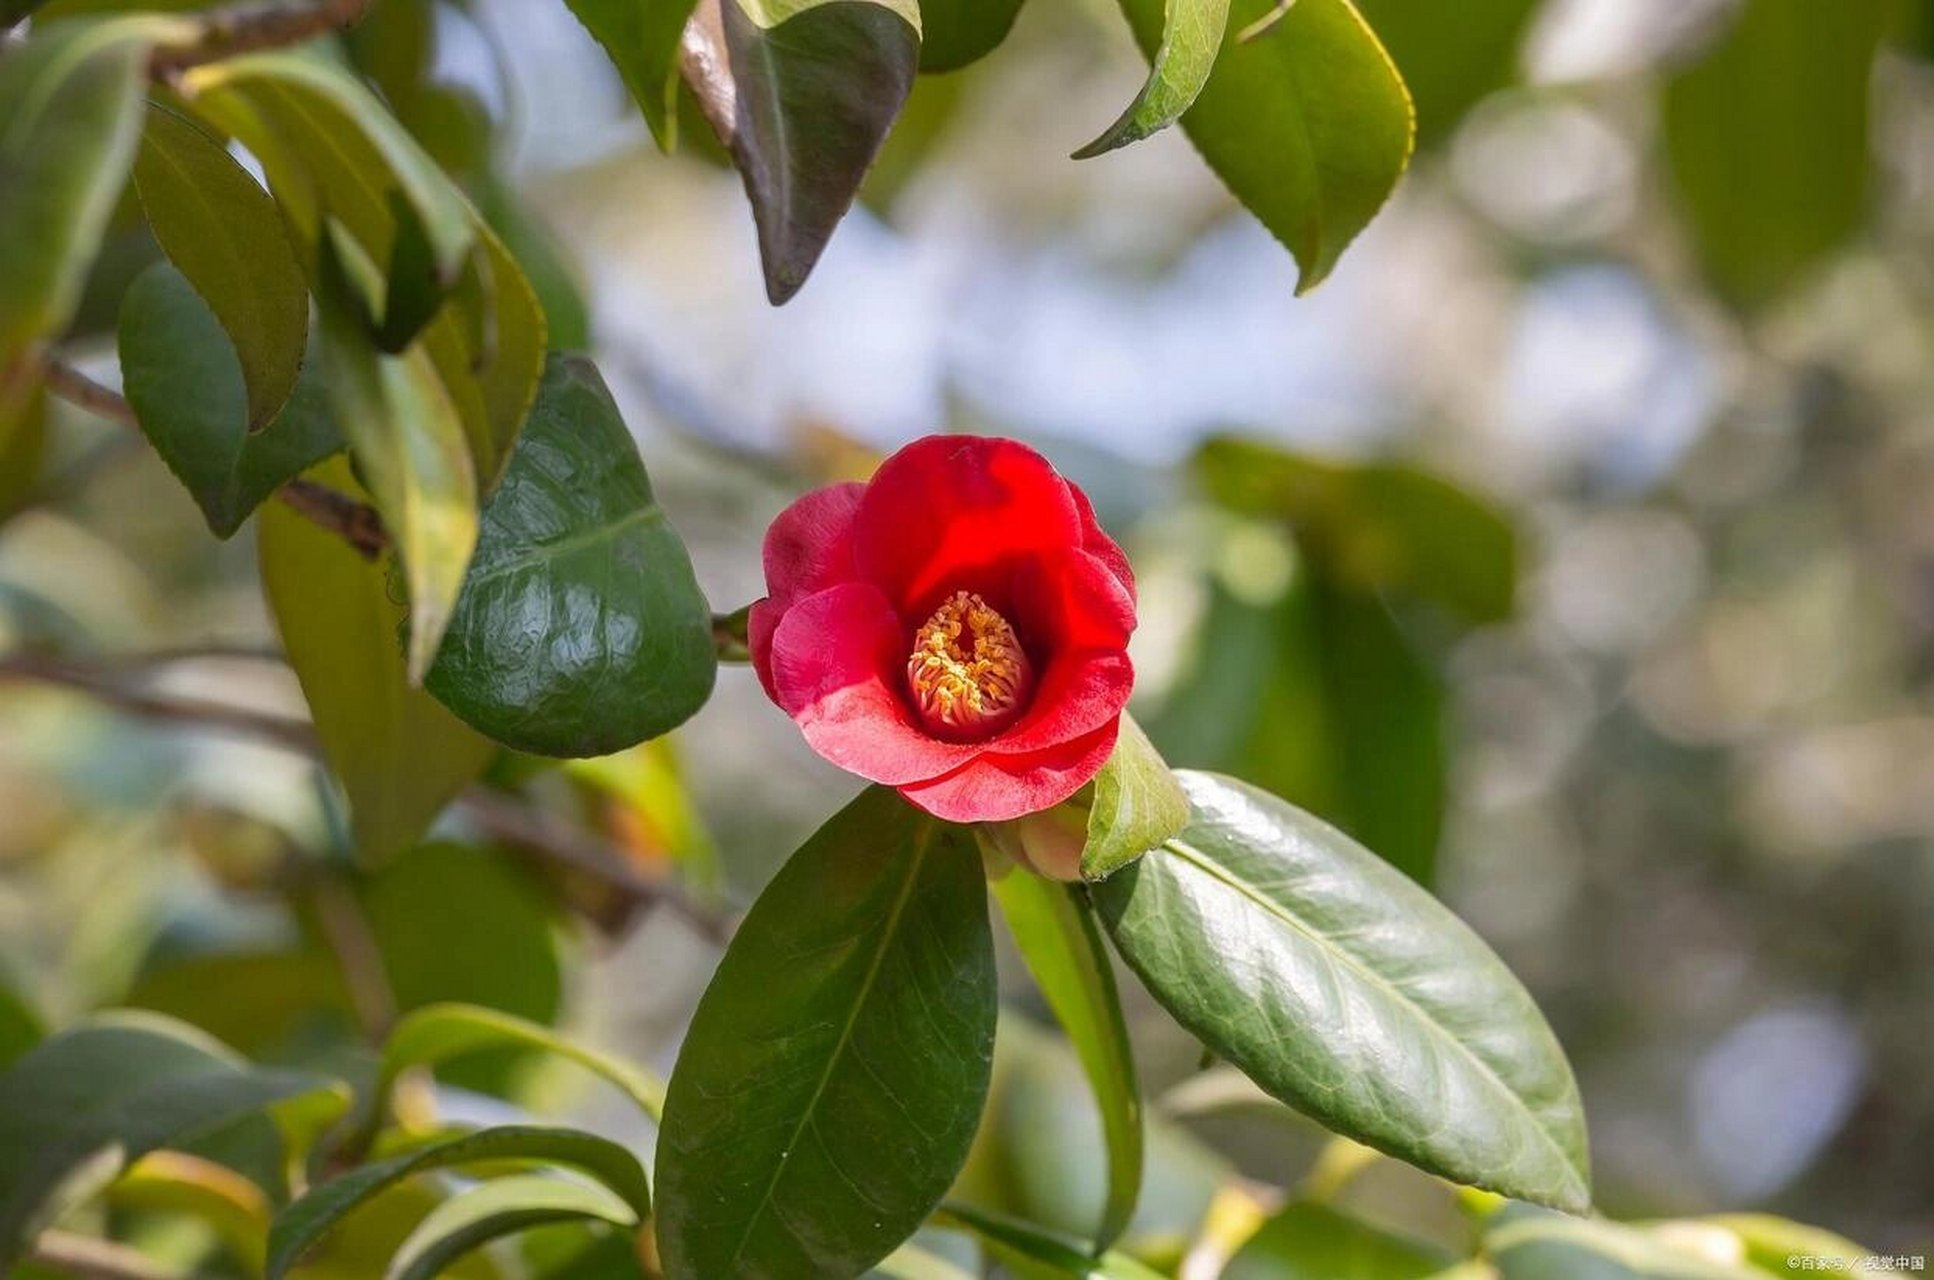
[969, 675]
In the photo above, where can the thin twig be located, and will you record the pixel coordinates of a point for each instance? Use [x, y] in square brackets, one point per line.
[521, 827]
[356, 523]
[255, 24]
[347, 931]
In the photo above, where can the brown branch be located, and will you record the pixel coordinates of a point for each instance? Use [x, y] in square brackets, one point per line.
[255, 24]
[356, 523]
[520, 827]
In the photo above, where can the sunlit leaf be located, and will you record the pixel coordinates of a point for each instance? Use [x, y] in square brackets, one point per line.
[1346, 991]
[222, 231]
[802, 93]
[1529, 1244]
[399, 755]
[1192, 33]
[1308, 125]
[1308, 1241]
[1450, 55]
[835, 1070]
[1058, 940]
[472, 1219]
[581, 629]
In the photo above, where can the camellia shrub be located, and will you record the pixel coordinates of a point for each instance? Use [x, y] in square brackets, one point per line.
[352, 335]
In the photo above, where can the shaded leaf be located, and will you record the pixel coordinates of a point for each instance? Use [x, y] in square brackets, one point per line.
[554, 277]
[835, 1069]
[83, 1106]
[955, 33]
[581, 629]
[1450, 56]
[70, 120]
[222, 231]
[186, 387]
[641, 38]
[399, 755]
[21, 1026]
[1308, 125]
[437, 1033]
[1528, 1244]
[1192, 33]
[1767, 140]
[1349, 993]
[802, 93]
[303, 1225]
[23, 446]
[472, 1219]
[1058, 941]
[1310, 1241]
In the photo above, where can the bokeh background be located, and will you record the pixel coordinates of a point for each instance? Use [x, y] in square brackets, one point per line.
[1574, 545]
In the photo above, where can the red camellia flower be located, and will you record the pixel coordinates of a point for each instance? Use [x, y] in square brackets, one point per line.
[956, 628]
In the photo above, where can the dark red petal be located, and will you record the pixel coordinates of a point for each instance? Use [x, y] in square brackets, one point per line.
[1097, 543]
[838, 661]
[1070, 599]
[1079, 693]
[946, 511]
[996, 788]
[809, 547]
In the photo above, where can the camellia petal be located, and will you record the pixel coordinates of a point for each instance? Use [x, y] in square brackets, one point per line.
[1096, 542]
[995, 788]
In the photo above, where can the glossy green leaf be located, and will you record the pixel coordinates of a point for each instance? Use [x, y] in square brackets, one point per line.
[408, 442]
[1308, 125]
[1309, 1241]
[1377, 526]
[440, 1032]
[83, 1106]
[1058, 940]
[1192, 33]
[1767, 139]
[221, 229]
[1033, 1251]
[70, 120]
[581, 630]
[462, 923]
[186, 387]
[1137, 805]
[802, 93]
[956, 33]
[1450, 56]
[1527, 1244]
[641, 38]
[835, 1070]
[399, 755]
[303, 1225]
[1346, 991]
[472, 1219]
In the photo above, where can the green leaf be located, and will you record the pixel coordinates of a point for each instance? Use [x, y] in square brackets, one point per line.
[186, 387]
[1308, 125]
[1057, 938]
[399, 755]
[802, 93]
[1767, 140]
[305, 117]
[1346, 991]
[836, 1067]
[21, 1026]
[408, 443]
[83, 1106]
[23, 446]
[1770, 1241]
[955, 33]
[302, 1226]
[440, 1032]
[911, 1262]
[1192, 33]
[12, 11]
[222, 230]
[1377, 527]
[1311, 1241]
[580, 630]
[641, 39]
[554, 277]
[472, 1219]
[1450, 56]
[1526, 1244]
[70, 120]
[1137, 805]
[1033, 1251]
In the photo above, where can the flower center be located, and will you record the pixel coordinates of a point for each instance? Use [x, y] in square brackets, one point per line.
[969, 675]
